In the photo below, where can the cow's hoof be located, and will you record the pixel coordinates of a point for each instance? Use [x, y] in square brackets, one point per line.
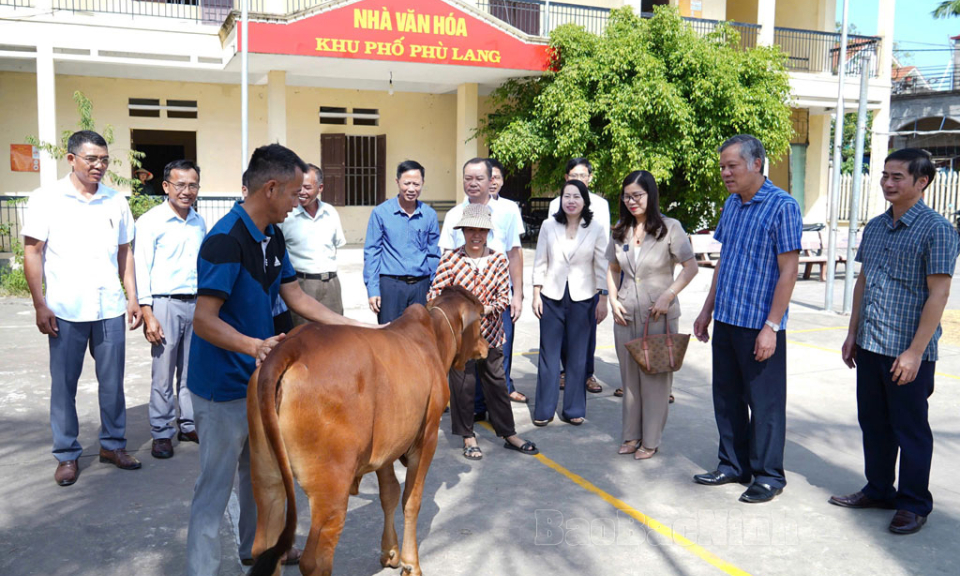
[390, 558]
[410, 569]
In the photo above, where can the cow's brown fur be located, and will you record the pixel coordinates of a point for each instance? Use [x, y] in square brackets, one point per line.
[332, 403]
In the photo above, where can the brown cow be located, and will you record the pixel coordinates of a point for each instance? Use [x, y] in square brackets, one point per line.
[332, 403]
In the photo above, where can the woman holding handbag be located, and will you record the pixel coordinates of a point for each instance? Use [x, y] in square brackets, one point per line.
[646, 247]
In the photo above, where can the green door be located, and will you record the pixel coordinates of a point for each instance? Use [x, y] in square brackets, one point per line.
[798, 173]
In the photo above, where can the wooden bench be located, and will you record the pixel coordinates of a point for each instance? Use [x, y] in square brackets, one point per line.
[813, 251]
[705, 249]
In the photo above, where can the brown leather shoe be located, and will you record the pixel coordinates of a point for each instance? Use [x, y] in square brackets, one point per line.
[859, 500]
[188, 437]
[291, 558]
[906, 522]
[119, 458]
[162, 448]
[67, 472]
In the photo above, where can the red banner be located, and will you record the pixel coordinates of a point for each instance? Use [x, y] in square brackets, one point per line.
[427, 31]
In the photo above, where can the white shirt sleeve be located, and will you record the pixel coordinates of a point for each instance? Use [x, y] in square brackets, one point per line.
[339, 238]
[37, 217]
[448, 236]
[143, 254]
[127, 230]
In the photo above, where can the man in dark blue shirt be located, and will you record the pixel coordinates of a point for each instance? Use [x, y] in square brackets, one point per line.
[242, 268]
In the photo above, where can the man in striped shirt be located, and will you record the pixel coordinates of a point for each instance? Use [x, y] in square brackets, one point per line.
[760, 231]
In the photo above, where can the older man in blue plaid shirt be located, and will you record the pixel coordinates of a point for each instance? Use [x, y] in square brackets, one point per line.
[908, 255]
[760, 231]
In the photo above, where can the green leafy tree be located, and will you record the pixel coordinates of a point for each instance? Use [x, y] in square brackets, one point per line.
[849, 141]
[139, 203]
[947, 9]
[646, 94]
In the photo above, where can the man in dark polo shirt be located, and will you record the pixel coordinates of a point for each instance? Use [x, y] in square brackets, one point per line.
[242, 268]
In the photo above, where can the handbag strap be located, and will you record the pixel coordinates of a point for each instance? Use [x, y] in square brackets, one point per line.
[646, 347]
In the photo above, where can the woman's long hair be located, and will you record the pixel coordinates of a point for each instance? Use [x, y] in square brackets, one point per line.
[587, 215]
[654, 224]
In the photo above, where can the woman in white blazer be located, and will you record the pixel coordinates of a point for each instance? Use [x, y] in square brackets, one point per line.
[568, 270]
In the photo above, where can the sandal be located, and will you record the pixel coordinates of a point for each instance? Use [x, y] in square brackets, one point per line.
[542, 423]
[618, 392]
[629, 447]
[672, 399]
[573, 421]
[593, 386]
[517, 396]
[472, 453]
[528, 448]
[644, 453]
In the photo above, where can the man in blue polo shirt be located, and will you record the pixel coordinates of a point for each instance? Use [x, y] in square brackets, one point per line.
[242, 268]
[908, 257]
[760, 230]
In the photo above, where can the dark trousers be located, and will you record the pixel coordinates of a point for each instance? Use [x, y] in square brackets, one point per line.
[750, 404]
[463, 384]
[894, 420]
[570, 319]
[397, 295]
[480, 404]
[591, 343]
[283, 322]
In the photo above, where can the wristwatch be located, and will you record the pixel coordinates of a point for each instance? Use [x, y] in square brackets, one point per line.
[772, 326]
[604, 292]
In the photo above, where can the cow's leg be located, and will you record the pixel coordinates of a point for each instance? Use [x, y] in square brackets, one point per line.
[328, 510]
[418, 462]
[389, 498]
[267, 483]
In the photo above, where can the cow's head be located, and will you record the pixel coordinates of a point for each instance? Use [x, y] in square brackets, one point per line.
[458, 302]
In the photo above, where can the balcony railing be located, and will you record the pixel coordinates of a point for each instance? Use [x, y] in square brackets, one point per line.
[17, 3]
[817, 52]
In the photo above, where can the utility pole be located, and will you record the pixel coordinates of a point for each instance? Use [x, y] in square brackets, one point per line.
[837, 142]
[857, 184]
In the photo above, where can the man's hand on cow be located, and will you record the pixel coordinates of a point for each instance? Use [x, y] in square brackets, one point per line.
[47, 321]
[265, 346]
[516, 306]
[151, 326]
[374, 304]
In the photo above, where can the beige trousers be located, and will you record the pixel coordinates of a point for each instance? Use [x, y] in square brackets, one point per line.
[326, 293]
[645, 396]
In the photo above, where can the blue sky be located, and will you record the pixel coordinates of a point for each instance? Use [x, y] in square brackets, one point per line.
[914, 29]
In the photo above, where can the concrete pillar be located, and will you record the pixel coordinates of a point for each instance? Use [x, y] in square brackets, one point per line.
[277, 107]
[766, 18]
[467, 114]
[817, 182]
[46, 111]
[881, 119]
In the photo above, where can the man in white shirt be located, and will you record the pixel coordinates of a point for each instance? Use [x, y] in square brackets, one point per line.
[168, 242]
[77, 238]
[581, 169]
[313, 233]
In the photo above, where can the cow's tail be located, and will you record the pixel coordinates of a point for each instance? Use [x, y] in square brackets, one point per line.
[268, 390]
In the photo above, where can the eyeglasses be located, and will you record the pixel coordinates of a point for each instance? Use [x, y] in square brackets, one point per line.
[96, 160]
[181, 186]
[635, 198]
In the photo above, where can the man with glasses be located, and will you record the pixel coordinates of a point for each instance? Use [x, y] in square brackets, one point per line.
[77, 239]
[581, 169]
[168, 242]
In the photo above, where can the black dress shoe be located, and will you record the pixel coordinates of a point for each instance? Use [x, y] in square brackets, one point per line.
[162, 448]
[906, 522]
[188, 437]
[758, 492]
[718, 478]
[860, 500]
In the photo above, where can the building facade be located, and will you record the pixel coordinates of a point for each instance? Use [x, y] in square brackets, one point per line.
[357, 86]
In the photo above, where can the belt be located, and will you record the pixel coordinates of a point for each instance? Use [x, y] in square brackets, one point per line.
[177, 296]
[407, 279]
[324, 276]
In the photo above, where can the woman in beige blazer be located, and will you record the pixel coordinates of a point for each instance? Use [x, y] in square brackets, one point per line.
[568, 271]
[646, 247]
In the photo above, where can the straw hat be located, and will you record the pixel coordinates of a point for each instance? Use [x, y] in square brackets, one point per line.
[138, 171]
[475, 216]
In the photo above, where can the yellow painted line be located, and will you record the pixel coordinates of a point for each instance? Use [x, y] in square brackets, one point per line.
[835, 351]
[817, 329]
[640, 517]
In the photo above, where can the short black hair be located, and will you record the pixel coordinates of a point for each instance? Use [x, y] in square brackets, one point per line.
[494, 163]
[579, 161]
[245, 180]
[272, 162]
[180, 165]
[587, 214]
[78, 139]
[407, 166]
[918, 161]
[319, 172]
[751, 148]
[486, 163]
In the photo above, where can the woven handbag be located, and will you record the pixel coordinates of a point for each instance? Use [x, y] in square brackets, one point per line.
[659, 353]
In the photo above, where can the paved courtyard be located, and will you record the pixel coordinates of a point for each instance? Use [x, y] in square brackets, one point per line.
[578, 508]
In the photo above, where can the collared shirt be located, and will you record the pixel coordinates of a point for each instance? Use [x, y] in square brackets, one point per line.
[165, 253]
[490, 283]
[598, 205]
[400, 244]
[312, 241]
[753, 234]
[81, 240]
[897, 258]
[244, 267]
[505, 235]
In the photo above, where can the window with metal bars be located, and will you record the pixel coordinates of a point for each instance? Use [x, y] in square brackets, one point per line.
[354, 169]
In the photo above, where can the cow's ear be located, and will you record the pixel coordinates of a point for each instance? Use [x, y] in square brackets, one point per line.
[468, 317]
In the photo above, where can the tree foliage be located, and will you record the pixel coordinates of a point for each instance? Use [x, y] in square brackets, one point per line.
[646, 94]
[849, 141]
[947, 9]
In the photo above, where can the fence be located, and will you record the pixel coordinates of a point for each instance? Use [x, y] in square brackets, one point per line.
[943, 196]
[816, 52]
[846, 186]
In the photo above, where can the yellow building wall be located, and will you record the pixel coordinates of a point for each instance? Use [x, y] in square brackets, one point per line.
[16, 122]
[742, 11]
[815, 15]
[779, 172]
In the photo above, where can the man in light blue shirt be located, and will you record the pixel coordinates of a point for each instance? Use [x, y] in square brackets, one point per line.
[166, 249]
[400, 253]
